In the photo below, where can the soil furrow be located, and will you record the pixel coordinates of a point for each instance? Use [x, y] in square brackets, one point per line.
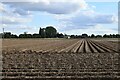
[82, 47]
[61, 59]
[108, 48]
[68, 49]
[102, 47]
[76, 48]
[93, 50]
[87, 47]
[97, 47]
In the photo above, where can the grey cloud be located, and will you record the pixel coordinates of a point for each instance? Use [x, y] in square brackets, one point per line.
[51, 7]
[81, 21]
[22, 12]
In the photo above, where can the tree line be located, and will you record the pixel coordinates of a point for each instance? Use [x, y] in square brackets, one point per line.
[48, 32]
[96, 36]
[51, 32]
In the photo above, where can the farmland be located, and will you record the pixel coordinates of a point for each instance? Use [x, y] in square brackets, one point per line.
[59, 45]
[60, 58]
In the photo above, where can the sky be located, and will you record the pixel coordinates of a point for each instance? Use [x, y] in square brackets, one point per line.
[69, 17]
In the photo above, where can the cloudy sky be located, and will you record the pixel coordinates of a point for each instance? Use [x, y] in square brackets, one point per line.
[70, 17]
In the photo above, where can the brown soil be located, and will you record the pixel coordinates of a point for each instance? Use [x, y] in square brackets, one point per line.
[59, 58]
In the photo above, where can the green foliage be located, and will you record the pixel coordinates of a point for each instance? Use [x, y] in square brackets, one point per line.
[60, 35]
[84, 35]
[98, 36]
[42, 32]
[48, 32]
[36, 36]
[92, 36]
[73, 36]
[7, 35]
[51, 32]
[14, 36]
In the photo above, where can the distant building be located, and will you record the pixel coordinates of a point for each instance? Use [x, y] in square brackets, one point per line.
[67, 36]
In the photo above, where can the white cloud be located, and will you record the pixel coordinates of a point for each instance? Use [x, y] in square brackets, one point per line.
[25, 27]
[9, 20]
[2, 8]
[86, 19]
[58, 0]
[19, 29]
[102, 0]
[97, 30]
[50, 6]
[72, 14]
[13, 20]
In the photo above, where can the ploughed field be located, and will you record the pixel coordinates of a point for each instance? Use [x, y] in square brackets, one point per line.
[60, 58]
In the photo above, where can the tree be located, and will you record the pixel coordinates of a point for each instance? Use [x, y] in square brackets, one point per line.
[42, 32]
[14, 36]
[7, 35]
[84, 35]
[92, 36]
[25, 35]
[51, 32]
[36, 36]
[60, 35]
[117, 35]
[98, 36]
[105, 36]
[73, 36]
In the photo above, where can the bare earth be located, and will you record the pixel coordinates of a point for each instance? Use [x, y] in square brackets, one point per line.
[71, 45]
[36, 44]
[60, 58]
